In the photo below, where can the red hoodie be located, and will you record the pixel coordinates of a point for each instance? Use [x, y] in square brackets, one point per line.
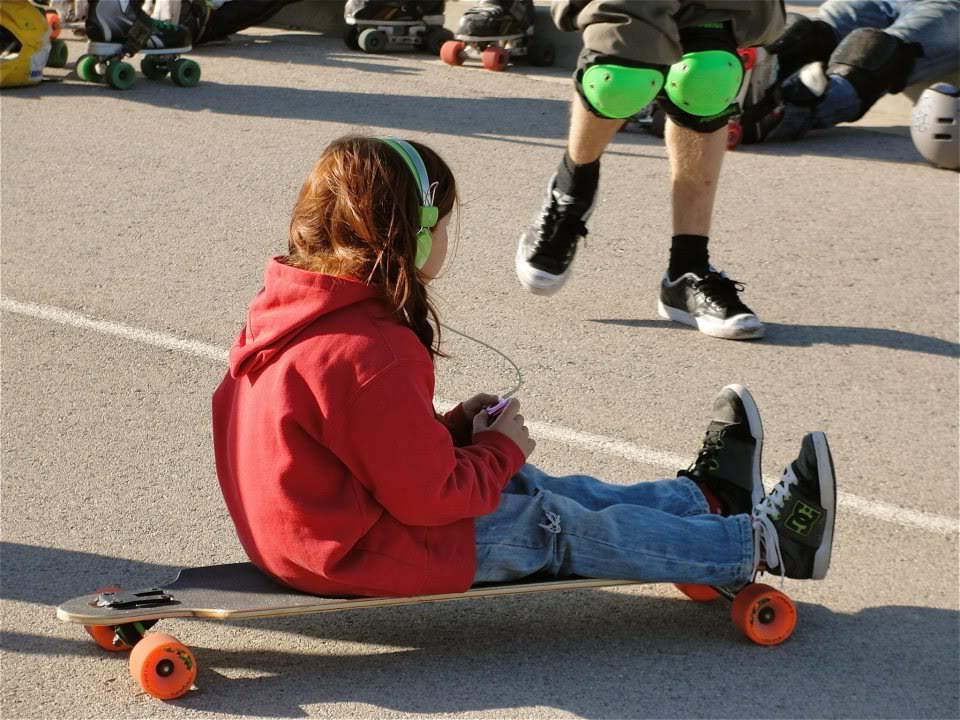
[337, 472]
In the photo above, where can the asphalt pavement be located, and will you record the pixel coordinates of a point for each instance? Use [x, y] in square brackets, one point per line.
[135, 226]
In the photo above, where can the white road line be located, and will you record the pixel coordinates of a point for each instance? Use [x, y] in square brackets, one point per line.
[609, 446]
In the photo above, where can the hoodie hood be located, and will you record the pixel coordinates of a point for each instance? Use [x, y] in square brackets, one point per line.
[291, 299]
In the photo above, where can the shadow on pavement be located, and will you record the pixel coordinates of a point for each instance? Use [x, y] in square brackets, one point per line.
[845, 141]
[810, 335]
[591, 653]
[49, 576]
[484, 118]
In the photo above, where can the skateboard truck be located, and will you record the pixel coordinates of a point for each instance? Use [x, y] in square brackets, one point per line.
[126, 600]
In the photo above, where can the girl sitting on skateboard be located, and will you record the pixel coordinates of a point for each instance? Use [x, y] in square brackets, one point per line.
[343, 480]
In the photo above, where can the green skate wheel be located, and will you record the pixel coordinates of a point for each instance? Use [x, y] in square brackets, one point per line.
[350, 35]
[87, 69]
[433, 41]
[185, 73]
[152, 69]
[121, 75]
[372, 40]
[58, 54]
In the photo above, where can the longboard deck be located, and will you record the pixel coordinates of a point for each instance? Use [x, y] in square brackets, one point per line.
[240, 590]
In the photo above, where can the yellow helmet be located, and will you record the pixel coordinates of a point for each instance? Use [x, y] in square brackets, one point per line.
[24, 43]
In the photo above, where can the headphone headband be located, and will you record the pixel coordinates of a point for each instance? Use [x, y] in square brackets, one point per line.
[429, 214]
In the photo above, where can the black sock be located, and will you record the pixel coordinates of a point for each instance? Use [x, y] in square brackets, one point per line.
[580, 181]
[688, 253]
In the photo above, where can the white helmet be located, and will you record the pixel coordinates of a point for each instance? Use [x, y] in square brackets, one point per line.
[936, 125]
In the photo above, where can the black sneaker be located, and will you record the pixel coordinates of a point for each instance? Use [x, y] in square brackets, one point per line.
[113, 27]
[497, 19]
[546, 250]
[391, 11]
[710, 303]
[729, 461]
[794, 524]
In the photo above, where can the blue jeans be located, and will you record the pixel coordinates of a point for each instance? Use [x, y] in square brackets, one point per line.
[580, 526]
[931, 23]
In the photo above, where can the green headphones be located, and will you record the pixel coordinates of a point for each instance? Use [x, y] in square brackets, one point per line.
[428, 213]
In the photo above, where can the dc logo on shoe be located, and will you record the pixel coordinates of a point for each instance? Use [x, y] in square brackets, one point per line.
[803, 518]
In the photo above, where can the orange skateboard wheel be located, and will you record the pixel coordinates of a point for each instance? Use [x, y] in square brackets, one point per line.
[765, 615]
[734, 134]
[495, 58]
[451, 52]
[53, 21]
[163, 666]
[748, 56]
[698, 593]
[103, 636]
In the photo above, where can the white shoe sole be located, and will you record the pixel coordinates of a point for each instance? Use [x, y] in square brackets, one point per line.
[828, 500]
[537, 281]
[106, 49]
[756, 430]
[739, 327]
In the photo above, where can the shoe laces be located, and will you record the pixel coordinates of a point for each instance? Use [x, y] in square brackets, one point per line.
[766, 542]
[706, 461]
[560, 224]
[721, 290]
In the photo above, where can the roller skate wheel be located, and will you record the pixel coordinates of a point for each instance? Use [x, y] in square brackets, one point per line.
[88, 70]
[452, 52]
[542, 54]
[495, 58]
[103, 636]
[698, 593]
[748, 56]
[185, 73]
[153, 69]
[435, 40]
[350, 36]
[121, 75]
[372, 40]
[53, 21]
[163, 666]
[764, 615]
[734, 135]
[58, 54]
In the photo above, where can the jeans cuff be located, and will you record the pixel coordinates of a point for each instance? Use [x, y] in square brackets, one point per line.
[696, 497]
[746, 542]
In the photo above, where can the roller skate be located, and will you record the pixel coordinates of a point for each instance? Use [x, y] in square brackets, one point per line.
[759, 88]
[119, 28]
[497, 32]
[57, 58]
[380, 25]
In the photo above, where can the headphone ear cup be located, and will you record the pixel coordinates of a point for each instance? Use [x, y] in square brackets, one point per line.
[424, 244]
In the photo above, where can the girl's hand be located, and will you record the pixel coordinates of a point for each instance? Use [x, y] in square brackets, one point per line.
[477, 403]
[510, 423]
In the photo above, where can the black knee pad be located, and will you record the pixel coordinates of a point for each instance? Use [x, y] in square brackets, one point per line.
[805, 40]
[702, 39]
[874, 62]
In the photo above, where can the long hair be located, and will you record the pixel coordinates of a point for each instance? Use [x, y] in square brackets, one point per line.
[357, 216]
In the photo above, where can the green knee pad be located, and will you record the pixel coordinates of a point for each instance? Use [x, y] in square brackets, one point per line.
[617, 91]
[705, 83]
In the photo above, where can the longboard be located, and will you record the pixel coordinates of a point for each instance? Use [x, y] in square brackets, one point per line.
[165, 668]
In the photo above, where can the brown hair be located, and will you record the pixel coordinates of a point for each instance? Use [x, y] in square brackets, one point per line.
[357, 216]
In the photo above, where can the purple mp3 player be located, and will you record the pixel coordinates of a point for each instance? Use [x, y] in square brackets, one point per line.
[494, 410]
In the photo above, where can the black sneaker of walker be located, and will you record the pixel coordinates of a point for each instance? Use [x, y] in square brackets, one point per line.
[711, 304]
[729, 462]
[796, 521]
[497, 18]
[547, 248]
